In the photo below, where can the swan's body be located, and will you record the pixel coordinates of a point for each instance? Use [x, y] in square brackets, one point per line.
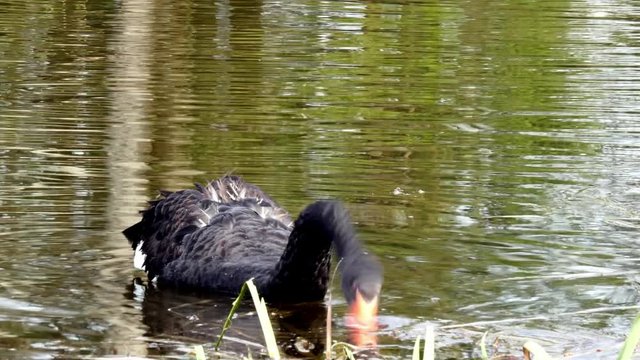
[215, 237]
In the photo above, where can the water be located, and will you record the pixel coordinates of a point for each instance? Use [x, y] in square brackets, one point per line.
[488, 152]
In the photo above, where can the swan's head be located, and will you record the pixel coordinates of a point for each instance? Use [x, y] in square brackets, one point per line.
[361, 284]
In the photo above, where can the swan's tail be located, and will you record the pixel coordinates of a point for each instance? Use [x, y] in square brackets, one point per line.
[156, 239]
[134, 235]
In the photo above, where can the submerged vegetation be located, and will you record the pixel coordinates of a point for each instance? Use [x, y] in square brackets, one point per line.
[530, 349]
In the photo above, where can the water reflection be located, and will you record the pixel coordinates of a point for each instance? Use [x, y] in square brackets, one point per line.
[174, 317]
[487, 152]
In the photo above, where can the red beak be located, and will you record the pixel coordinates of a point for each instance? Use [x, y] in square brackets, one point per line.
[362, 321]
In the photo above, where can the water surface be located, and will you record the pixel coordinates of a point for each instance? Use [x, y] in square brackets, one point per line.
[488, 151]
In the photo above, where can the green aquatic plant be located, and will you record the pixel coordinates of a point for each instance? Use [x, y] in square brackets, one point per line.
[227, 322]
[330, 317]
[263, 317]
[341, 348]
[483, 346]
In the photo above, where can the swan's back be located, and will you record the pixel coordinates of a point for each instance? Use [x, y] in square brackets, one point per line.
[213, 237]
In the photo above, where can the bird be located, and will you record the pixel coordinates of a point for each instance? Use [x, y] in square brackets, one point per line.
[214, 237]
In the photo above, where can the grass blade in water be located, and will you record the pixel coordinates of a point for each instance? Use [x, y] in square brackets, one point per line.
[533, 348]
[416, 349]
[199, 350]
[632, 341]
[265, 323]
[429, 343]
[483, 346]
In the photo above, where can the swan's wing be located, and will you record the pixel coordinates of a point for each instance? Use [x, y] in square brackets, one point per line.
[236, 245]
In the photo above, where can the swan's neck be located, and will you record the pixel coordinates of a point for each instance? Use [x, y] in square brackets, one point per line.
[303, 269]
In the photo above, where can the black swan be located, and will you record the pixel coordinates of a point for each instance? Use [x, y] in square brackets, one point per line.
[215, 237]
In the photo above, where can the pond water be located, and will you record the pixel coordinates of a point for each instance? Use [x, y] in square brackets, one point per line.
[489, 152]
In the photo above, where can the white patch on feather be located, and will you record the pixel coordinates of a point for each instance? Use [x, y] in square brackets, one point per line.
[264, 212]
[213, 194]
[205, 214]
[139, 257]
[227, 190]
[268, 212]
[238, 193]
[203, 222]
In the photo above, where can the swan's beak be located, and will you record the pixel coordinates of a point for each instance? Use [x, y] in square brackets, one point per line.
[362, 321]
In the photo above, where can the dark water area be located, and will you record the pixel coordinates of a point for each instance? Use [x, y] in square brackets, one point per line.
[488, 151]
